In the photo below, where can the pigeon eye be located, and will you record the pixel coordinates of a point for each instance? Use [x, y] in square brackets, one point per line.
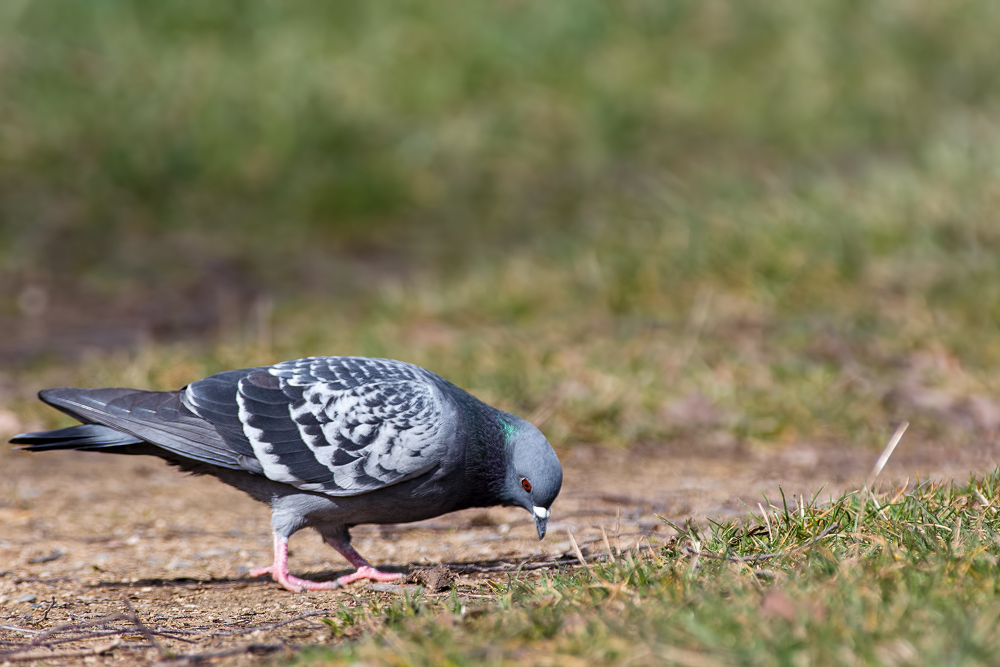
[526, 485]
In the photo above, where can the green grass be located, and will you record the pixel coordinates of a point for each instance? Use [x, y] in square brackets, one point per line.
[595, 215]
[822, 312]
[132, 133]
[903, 577]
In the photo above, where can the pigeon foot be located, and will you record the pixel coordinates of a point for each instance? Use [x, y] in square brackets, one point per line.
[369, 572]
[293, 583]
[297, 585]
[279, 569]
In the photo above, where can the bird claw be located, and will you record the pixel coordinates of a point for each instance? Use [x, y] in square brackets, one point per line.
[297, 585]
[369, 572]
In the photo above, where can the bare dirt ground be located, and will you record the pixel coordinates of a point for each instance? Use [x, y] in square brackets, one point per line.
[151, 564]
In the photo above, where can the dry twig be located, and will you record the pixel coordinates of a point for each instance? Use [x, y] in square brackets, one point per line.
[80, 626]
[194, 658]
[133, 616]
[69, 653]
[272, 626]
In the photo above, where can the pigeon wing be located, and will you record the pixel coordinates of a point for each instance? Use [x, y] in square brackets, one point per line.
[338, 425]
[160, 418]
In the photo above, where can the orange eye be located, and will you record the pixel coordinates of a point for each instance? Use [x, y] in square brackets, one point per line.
[526, 485]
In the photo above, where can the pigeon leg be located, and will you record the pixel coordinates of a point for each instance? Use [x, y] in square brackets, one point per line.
[279, 571]
[364, 568]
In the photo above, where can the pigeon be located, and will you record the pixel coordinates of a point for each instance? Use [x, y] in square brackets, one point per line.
[328, 443]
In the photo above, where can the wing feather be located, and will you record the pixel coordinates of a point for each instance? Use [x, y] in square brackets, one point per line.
[338, 425]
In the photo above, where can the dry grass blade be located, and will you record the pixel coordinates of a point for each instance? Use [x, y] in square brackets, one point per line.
[607, 545]
[886, 453]
[767, 522]
[576, 550]
[877, 469]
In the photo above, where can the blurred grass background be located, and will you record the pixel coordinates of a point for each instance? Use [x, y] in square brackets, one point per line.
[704, 223]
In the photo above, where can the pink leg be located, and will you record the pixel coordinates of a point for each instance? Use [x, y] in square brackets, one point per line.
[279, 569]
[364, 568]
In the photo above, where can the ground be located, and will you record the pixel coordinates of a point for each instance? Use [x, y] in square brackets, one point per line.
[88, 536]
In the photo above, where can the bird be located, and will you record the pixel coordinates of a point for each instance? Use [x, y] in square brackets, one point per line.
[328, 443]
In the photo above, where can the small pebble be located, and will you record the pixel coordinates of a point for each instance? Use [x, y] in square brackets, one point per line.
[30, 597]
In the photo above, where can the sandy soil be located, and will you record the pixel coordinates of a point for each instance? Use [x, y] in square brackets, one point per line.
[87, 536]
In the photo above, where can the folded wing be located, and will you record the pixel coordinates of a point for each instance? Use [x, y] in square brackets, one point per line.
[338, 425]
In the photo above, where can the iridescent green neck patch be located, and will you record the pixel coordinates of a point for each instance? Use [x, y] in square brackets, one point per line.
[508, 430]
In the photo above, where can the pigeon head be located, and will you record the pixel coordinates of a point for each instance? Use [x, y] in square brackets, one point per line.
[534, 476]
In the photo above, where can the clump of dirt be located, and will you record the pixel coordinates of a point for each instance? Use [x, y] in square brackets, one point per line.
[438, 578]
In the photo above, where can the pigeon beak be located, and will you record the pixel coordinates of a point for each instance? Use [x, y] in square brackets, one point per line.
[541, 518]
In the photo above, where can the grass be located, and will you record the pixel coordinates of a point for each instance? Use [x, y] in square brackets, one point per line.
[823, 312]
[262, 142]
[914, 583]
[598, 216]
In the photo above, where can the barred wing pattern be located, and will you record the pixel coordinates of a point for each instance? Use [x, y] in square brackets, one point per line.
[339, 425]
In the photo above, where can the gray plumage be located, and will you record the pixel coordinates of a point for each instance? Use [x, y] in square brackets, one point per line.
[327, 442]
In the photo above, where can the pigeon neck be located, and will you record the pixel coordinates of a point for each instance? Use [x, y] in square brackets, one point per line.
[488, 456]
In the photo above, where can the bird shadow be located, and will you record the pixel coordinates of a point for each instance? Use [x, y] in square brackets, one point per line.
[192, 582]
[493, 566]
[178, 582]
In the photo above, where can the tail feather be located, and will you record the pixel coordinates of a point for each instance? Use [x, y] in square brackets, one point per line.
[87, 437]
[130, 421]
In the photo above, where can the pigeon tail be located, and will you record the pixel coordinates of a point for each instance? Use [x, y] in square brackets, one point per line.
[86, 437]
[158, 418]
